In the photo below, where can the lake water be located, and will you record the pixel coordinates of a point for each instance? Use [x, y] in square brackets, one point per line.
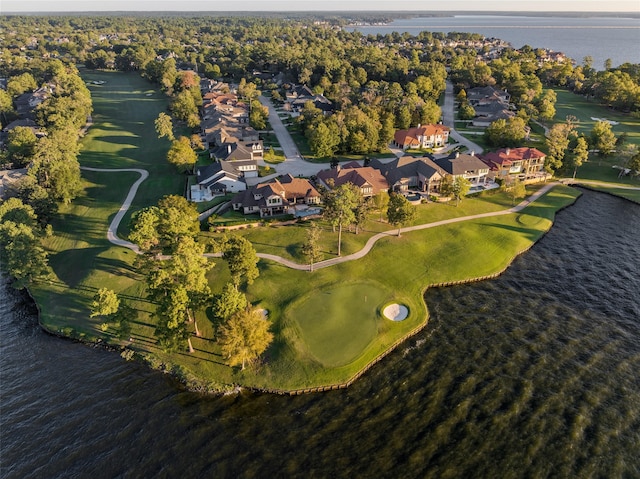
[534, 374]
[598, 37]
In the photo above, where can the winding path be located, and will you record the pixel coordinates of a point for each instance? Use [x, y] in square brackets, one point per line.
[144, 174]
[112, 231]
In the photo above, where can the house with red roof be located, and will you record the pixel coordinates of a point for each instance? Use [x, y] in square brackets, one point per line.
[422, 136]
[511, 163]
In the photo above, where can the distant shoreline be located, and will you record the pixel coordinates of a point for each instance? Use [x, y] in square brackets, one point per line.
[388, 15]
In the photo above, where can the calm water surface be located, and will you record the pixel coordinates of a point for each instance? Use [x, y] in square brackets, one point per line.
[598, 37]
[534, 374]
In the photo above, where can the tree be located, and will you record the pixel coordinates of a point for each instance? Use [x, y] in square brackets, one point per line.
[381, 201]
[466, 111]
[400, 211]
[181, 155]
[324, 139]
[258, 116]
[310, 247]
[144, 229]
[580, 154]
[179, 285]
[634, 164]
[557, 142]
[34, 195]
[603, 138]
[20, 84]
[459, 188]
[228, 303]
[21, 254]
[241, 258]
[339, 204]
[21, 143]
[361, 212]
[506, 133]
[160, 227]
[244, 337]
[164, 126]
[517, 190]
[105, 303]
[184, 108]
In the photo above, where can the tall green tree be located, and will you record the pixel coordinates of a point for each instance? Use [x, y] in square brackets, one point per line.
[21, 253]
[459, 188]
[164, 126]
[517, 190]
[339, 205]
[158, 228]
[227, 303]
[241, 258]
[603, 139]
[311, 248]
[105, 303]
[400, 211]
[580, 154]
[380, 202]
[21, 144]
[557, 143]
[179, 286]
[244, 337]
[506, 133]
[181, 155]
[55, 165]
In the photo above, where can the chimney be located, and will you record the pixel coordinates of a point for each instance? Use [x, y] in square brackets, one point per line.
[472, 153]
[228, 148]
[508, 151]
[419, 125]
[457, 154]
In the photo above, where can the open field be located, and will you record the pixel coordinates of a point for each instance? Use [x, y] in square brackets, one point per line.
[576, 105]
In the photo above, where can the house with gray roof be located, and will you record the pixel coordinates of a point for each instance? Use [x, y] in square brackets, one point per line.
[279, 196]
[220, 178]
[466, 166]
[410, 173]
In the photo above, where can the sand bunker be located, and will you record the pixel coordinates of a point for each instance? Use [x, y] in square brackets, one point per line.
[396, 312]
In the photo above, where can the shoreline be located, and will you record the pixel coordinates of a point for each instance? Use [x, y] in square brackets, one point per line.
[197, 384]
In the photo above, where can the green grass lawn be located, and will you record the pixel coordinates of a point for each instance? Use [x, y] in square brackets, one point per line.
[122, 136]
[576, 105]
[337, 324]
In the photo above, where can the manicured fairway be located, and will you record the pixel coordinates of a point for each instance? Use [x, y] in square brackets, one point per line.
[337, 324]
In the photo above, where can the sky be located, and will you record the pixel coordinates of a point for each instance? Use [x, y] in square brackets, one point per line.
[8, 6]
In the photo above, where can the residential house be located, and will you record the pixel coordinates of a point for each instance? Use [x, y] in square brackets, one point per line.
[279, 196]
[27, 103]
[423, 136]
[298, 95]
[487, 94]
[246, 152]
[511, 163]
[487, 114]
[490, 104]
[222, 177]
[409, 173]
[368, 179]
[465, 166]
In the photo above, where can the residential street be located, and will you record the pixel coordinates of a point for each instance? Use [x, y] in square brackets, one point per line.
[294, 164]
[448, 116]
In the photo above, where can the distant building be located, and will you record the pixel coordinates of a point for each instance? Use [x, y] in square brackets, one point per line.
[423, 136]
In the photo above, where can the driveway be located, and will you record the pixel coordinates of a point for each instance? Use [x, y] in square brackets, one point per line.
[293, 164]
[448, 119]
